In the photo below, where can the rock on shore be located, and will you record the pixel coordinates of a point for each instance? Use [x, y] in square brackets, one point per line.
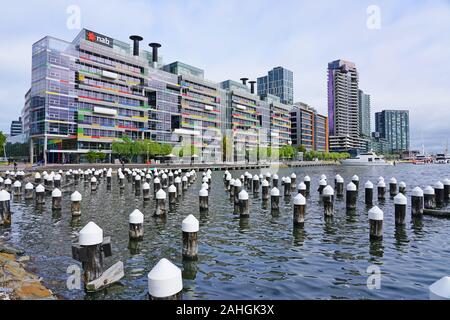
[18, 284]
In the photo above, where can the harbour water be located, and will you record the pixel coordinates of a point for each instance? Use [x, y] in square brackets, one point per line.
[263, 257]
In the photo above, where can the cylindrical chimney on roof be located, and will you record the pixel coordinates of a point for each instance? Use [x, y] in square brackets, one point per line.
[136, 40]
[252, 86]
[155, 47]
[244, 81]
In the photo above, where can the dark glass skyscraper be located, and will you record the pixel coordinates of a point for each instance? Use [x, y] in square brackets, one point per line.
[393, 125]
[278, 82]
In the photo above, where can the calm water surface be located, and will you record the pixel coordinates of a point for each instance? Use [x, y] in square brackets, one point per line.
[263, 257]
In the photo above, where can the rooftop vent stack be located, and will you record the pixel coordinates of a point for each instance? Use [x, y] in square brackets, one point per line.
[244, 81]
[155, 47]
[252, 86]
[136, 40]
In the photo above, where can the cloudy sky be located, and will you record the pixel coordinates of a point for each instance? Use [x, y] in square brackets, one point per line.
[403, 64]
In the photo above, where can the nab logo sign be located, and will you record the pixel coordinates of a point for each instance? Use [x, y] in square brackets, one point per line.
[98, 38]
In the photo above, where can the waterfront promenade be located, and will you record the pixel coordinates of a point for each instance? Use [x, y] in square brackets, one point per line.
[175, 165]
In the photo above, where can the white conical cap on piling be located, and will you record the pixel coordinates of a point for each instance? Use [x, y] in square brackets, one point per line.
[17, 184]
[94, 179]
[137, 178]
[56, 193]
[301, 186]
[261, 176]
[268, 175]
[255, 178]
[293, 175]
[146, 186]
[75, 196]
[299, 200]
[37, 175]
[375, 214]
[440, 290]
[156, 180]
[402, 184]
[205, 179]
[381, 184]
[90, 235]
[322, 182]
[190, 224]
[417, 192]
[57, 177]
[185, 179]
[282, 179]
[380, 178]
[368, 185]
[275, 192]
[49, 177]
[203, 192]
[165, 279]
[232, 181]
[355, 178]
[439, 185]
[7, 181]
[40, 188]
[4, 195]
[400, 199]
[446, 182]
[307, 178]
[351, 186]
[393, 180]
[428, 190]
[265, 183]
[323, 177]
[136, 217]
[275, 177]
[44, 173]
[177, 180]
[29, 186]
[170, 174]
[161, 194]
[287, 180]
[243, 195]
[172, 189]
[205, 185]
[339, 179]
[228, 177]
[328, 191]
[237, 183]
[337, 176]
[109, 174]
[164, 176]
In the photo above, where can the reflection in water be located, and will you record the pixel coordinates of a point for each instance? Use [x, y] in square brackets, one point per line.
[75, 222]
[417, 227]
[244, 224]
[351, 216]
[135, 246]
[401, 238]
[190, 269]
[376, 248]
[299, 234]
[249, 258]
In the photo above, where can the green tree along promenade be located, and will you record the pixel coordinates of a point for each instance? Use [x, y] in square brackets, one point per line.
[148, 149]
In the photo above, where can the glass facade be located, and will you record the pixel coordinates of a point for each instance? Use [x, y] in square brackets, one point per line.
[278, 82]
[393, 126]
